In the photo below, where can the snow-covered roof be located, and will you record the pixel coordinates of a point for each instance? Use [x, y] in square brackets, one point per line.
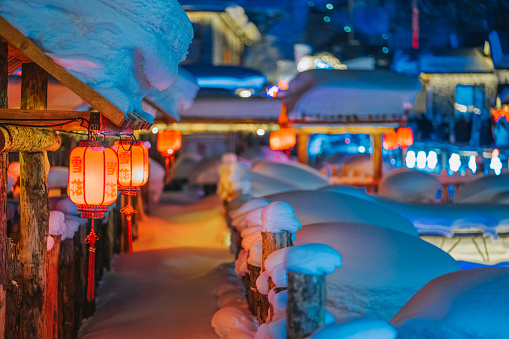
[499, 44]
[119, 48]
[465, 60]
[367, 95]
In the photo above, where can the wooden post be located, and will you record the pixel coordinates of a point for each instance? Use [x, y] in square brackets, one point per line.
[66, 289]
[12, 320]
[252, 293]
[52, 290]
[4, 162]
[305, 304]
[377, 160]
[302, 148]
[34, 212]
[271, 242]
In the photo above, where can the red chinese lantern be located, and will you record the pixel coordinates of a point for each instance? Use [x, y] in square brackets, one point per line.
[284, 139]
[92, 186]
[132, 173]
[405, 136]
[169, 142]
[390, 140]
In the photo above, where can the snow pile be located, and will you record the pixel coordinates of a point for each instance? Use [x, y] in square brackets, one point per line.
[409, 185]
[272, 330]
[238, 215]
[57, 224]
[446, 219]
[176, 98]
[363, 328]
[260, 153]
[465, 304]
[484, 189]
[381, 268]
[349, 190]
[313, 259]
[58, 177]
[184, 163]
[322, 206]
[205, 172]
[156, 173]
[278, 217]
[120, 48]
[292, 173]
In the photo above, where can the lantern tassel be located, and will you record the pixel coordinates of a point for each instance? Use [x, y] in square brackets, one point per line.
[91, 239]
[128, 210]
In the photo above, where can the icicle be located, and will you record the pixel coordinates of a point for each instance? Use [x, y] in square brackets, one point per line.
[91, 239]
[128, 210]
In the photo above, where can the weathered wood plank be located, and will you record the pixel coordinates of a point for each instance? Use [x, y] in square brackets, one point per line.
[27, 139]
[66, 289]
[13, 296]
[305, 311]
[52, 290]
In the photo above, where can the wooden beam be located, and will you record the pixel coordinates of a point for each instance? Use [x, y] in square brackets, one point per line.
[302, 148]
[34, 213]
[377, 160]
[27, 139]
[25, 45]
[4, 163]
[208, 120]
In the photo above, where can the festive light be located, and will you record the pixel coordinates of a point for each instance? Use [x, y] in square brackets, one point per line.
[390, 140]
[421, 159]
[283, 139]
[405, 136]
[432, 160]
[92, 186]
[132, 173]
[169, 142]
[410, 159]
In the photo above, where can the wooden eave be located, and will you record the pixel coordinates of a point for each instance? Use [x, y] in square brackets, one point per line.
[23, 50]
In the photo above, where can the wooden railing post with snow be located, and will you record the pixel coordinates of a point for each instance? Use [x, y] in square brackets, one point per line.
[52, 288]
[278, 226]
[307, 267]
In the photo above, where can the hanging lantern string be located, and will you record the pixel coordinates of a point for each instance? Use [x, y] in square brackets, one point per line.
[128, 210]
[91, 239]
[133, 141]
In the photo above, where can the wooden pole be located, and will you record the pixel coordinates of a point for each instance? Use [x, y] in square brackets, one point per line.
[305, 310]
[271, 242]
[377, 160]
[34, 212]
[302, 148]
[4, 162]
[52, 290]
[12, 319]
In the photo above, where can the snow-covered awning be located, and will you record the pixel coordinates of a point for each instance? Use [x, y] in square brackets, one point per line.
[118, 48]
[465, 60]
[350, 95]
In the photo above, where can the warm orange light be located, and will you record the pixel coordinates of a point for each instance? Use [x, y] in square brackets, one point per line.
[495, 153]
[283, 139]
[169, 142]
[498, 113]
[132, 165]
[93, 177]
[283, 85]
[405, 136]
[390, 140]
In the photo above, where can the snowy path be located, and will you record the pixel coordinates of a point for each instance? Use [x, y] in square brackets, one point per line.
[165, 289]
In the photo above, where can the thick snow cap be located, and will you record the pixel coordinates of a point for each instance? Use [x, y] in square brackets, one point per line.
[278, 217]
[313, 259]
[120, 48]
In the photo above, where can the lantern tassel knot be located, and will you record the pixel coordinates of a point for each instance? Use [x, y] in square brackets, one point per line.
[91, 239]
[128, 210]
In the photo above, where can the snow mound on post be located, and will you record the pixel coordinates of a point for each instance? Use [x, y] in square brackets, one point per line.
[260, 153]
[321, 206]
[381, 269]
[363, 328]
[409, 185]
[313, 259]
[293, 173]
[465, 304]
[278, 217]
[483, 189]
[120, 48]
[230, 318]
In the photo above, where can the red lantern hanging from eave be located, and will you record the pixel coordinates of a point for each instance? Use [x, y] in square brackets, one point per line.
[169, 142]
[390, 140]
[92, 186]
[405, 136]
[132, 173]
[283, 139]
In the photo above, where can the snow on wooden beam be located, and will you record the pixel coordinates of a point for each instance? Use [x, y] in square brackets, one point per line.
[28, 48]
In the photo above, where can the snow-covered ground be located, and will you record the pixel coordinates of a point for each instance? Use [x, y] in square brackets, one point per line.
[165, 288]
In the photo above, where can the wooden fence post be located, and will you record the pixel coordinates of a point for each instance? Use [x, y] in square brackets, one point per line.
[13, 297]
[66, 289]
[305, 304]
[52, 290]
